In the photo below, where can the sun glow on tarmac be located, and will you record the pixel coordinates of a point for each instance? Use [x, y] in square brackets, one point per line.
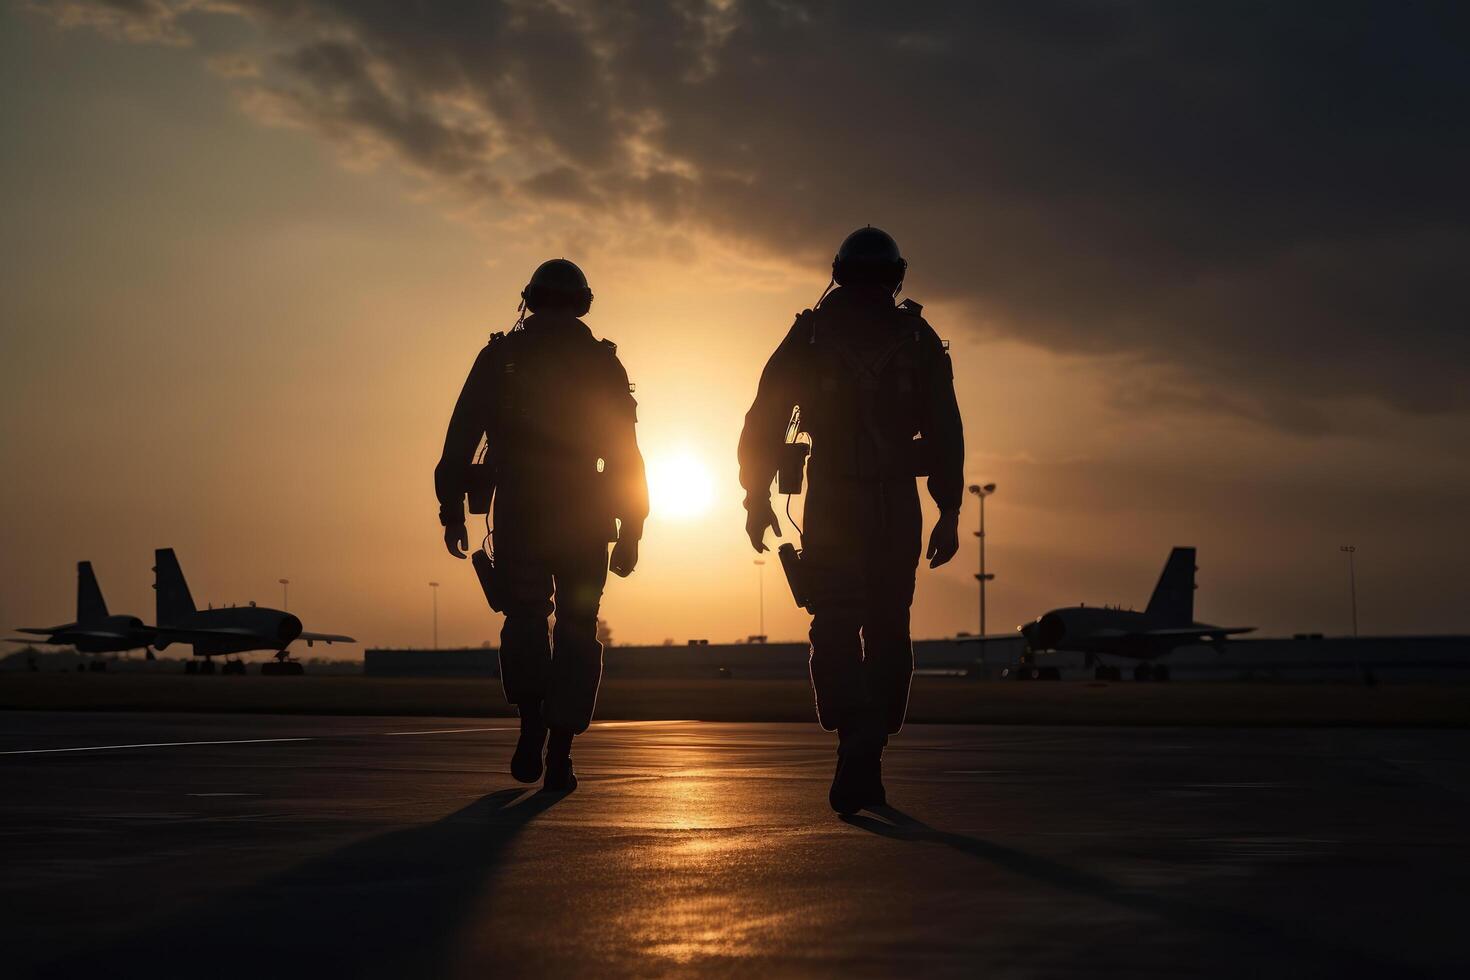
[681, 486]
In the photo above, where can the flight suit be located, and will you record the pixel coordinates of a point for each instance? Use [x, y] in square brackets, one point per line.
[868, 376]
[553, 408]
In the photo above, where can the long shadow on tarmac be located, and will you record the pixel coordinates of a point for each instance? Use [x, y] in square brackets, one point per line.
[392, 905]
[1231, 937]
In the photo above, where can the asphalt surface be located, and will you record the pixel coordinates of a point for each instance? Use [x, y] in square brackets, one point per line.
[401, 847]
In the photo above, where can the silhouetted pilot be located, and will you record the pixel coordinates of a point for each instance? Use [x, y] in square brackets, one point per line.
[869, 376]
[553, 406]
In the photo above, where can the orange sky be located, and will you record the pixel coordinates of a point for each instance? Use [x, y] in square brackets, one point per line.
[241, 341]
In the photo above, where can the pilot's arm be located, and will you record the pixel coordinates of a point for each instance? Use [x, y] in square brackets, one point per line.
[623, 468]
[944, 435]
[466, 428]
[765, 431]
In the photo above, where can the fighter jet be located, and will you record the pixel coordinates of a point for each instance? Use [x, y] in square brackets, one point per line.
[218, 632]
[1166, 623]
[94, 630]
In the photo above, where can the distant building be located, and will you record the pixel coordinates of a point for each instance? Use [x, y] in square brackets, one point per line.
[698, 658]
[467, 662]
[1303, 657]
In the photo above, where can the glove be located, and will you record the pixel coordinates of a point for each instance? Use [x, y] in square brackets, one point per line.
[457, 539]
[758, 517]
[944, 541]
[624, 557]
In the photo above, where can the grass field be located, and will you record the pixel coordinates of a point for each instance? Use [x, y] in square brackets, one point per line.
[934, 699]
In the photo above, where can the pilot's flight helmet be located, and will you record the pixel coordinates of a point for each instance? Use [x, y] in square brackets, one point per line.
[558, 284]
[869, 257]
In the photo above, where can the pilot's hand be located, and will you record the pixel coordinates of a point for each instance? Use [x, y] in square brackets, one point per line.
[624, 557]
[457, 540]
[758, 517]
[944, 540]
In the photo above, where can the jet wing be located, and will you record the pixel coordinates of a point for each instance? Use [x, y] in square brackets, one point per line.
[71, 634]
[189, 635]
[1215, 631]
[112, 634]
[1174, 633]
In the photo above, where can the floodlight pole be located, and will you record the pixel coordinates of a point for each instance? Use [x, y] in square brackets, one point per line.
[1351, 550]
[981, 492]
[285, 594]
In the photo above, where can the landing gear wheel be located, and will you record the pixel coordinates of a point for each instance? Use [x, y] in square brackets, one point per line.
[1143, 672]
[1049, 673]
[207, 667]
[282, 668]
[1108, 674]
[1161, 672]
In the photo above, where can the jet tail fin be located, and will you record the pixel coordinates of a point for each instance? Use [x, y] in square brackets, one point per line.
[1172, 603]
[172, 600]
[91, 607]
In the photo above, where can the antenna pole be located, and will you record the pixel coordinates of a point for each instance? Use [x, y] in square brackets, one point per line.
[1351, 550]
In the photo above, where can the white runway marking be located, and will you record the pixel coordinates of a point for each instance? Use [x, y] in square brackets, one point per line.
[153, 745]
[313, 738]
[243, 741]
[453, 731]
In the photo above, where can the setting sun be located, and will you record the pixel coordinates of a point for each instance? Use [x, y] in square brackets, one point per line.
[680, 486]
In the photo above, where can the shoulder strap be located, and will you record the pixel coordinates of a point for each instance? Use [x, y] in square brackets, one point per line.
[617, 374]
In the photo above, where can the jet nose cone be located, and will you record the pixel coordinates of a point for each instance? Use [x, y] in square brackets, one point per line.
[1045, 633]
[289, 629]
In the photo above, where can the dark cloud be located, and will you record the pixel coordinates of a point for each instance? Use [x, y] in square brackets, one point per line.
[1265, 198]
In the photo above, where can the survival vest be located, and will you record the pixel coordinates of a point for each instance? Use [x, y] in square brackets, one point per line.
[863, 392]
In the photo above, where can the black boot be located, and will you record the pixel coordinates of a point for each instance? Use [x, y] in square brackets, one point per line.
[525, 765]
[858, 781]
[560, 777]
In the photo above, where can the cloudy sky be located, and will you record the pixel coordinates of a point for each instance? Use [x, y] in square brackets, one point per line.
[1202, 267]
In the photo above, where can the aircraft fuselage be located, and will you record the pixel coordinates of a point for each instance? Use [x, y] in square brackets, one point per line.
[213, 632]
[1120, 632]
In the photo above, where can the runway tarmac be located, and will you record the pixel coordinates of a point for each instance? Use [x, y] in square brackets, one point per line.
[232, 845]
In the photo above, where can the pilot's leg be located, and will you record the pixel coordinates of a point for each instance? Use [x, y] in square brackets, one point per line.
[888, 651]
[837, 560]
[844, 702]
[576, 663]
[840, 682]
[525, 658]
[837, 661]
[832, 562]
[888, 564]
[888, 660]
